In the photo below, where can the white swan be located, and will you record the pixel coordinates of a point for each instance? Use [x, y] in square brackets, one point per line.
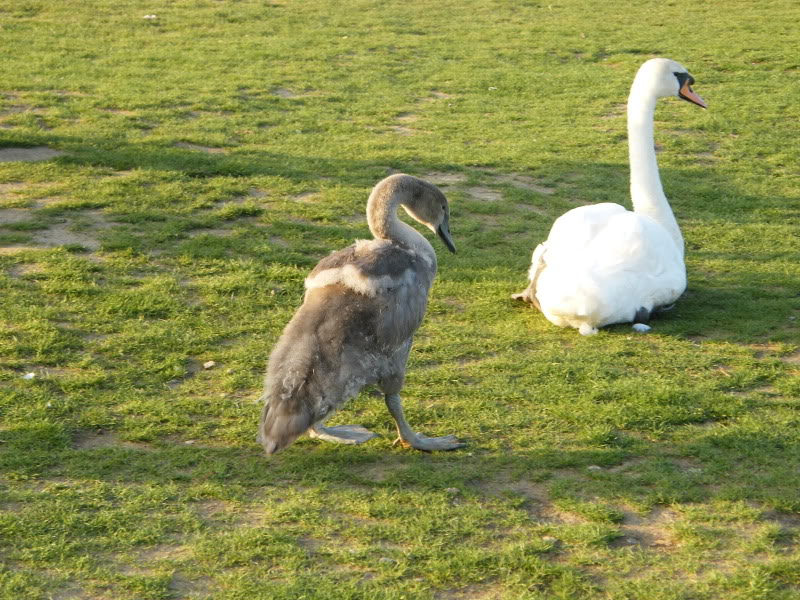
[603, 264]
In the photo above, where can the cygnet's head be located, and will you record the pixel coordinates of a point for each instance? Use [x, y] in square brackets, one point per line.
[665, 77]
[426, 204]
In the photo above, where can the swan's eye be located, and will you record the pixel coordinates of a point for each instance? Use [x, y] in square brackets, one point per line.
[683, 78]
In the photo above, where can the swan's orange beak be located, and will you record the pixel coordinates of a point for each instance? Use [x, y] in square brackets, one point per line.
[687, 93]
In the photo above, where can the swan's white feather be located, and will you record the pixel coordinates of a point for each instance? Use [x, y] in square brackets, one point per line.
[603, 263]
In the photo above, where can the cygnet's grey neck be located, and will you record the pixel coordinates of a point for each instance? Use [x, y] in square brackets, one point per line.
[382, 215]
[647, 194]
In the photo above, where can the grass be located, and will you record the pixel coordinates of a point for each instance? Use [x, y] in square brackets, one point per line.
[211, 155]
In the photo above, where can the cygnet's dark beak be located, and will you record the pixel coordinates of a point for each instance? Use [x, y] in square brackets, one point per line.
[443, 231]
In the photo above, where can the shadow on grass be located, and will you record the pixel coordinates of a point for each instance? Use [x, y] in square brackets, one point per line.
[236, 162]
[754, 304]
[718, 463]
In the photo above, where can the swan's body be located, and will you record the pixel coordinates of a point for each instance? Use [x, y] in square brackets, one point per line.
[603, 264]
[355, 327]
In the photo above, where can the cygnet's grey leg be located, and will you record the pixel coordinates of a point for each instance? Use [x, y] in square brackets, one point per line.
[407, 437]
[341, 434]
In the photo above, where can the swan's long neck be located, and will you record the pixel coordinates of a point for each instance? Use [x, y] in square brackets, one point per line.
[647, 194]
[384, 224]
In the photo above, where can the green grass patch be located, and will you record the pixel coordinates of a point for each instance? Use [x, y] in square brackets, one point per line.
[208, 157]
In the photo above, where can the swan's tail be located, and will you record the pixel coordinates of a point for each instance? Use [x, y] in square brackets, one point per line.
[537, 265]
[574, 299]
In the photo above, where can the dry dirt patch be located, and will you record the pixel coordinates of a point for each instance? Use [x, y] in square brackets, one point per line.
[276, 240]
[537, 500]
[211, 232]
[472, 592]
[199, 587]
[212, 509]
[224, 514]
[70, 593]
[532, 209]
[48, 201]
[58, 234]
[61, 235]
[526, 182]
[455, 304]
[11, 187]
[652, 531]
[256, 193]
[121, 112]
[9, 250]
[14, 215]
[401, 130]
[616, 111]
[284, 93]
[484, 193]
[439, 178]
[104, 439]
[35, 154]
[307, 197]
[199, 148]
[24, 269]
[380, 471]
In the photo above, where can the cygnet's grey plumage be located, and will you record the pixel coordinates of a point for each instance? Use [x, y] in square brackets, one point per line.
[356, 325]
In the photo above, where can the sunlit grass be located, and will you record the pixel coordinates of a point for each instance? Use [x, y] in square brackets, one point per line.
[213, 154]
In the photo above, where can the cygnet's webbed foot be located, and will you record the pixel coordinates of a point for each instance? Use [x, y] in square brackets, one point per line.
[586, 329]
[434, 444]
[641, 327]
[409, 439]
[342, 434]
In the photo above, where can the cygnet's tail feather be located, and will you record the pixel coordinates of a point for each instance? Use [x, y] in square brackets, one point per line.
[282, 423]
[289, 392]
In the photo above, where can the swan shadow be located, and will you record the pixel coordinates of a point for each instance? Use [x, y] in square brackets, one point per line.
[726, 298]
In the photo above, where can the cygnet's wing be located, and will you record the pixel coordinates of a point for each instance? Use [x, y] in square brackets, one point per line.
[370, 268]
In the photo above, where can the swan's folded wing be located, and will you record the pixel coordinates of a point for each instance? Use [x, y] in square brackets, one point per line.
[368, 267]
[638, 257]
[629, 263]
[636, 243]
[574, 231]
